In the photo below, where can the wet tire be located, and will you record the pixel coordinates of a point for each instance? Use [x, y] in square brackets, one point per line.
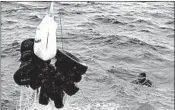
[58, 100]
[43, 98]
[70, 89]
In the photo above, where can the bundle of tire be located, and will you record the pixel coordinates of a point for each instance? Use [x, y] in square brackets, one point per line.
[53, 80]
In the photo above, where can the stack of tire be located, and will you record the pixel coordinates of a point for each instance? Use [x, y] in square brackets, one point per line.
[53, 80]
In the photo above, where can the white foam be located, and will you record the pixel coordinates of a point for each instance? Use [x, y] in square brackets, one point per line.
[29, 101]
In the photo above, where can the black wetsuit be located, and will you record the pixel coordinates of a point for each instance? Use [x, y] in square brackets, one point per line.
[145, 82]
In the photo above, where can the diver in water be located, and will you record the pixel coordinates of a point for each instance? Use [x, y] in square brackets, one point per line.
[141, 80]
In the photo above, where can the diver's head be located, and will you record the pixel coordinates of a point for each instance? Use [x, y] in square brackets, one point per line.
[142, 77]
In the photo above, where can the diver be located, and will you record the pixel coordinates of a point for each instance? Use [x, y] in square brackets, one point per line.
[141, 80]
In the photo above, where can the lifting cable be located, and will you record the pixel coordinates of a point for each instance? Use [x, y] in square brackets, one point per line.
[61, 30]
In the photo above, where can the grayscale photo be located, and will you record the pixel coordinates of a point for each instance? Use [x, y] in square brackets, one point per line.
[87, 55]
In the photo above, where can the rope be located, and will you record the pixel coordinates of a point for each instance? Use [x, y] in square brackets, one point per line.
[20, 100]
[61, 30]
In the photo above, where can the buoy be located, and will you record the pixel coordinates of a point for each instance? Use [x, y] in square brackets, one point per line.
[45, 38]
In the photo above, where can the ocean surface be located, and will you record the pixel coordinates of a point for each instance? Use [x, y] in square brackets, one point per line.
[117, 40]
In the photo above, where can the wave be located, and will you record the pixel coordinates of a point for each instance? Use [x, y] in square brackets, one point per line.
[28, 27]
[91, 2]
[65, 4]
[151, 56]
[146, 30]
[14, 7]
[111, 39]
[11, 49]
[119, 41]
[170, 35]
[34, 17]
[3, 55]
[159, 15]
[150, 51]
[77, 12]
[136, 42]
[107, 19]
[99, 3]
[11, 10]
[8, 28]
[31, 6]
[10, 22]
[83, 4]
[122, 73]
[90, 24]
[62, 11]
[167, 28]
[18, 6]
[169, 22]
[104, 79]
[143, 22]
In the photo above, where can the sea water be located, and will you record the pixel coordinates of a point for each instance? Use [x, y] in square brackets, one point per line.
[117, 41]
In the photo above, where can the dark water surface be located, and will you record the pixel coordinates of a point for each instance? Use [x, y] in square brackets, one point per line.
[117, 40]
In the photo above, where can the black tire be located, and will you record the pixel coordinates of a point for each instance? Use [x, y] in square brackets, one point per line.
[58, 100]
[77, 78]
[44, 97]
[23, 75]
[70, 89]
